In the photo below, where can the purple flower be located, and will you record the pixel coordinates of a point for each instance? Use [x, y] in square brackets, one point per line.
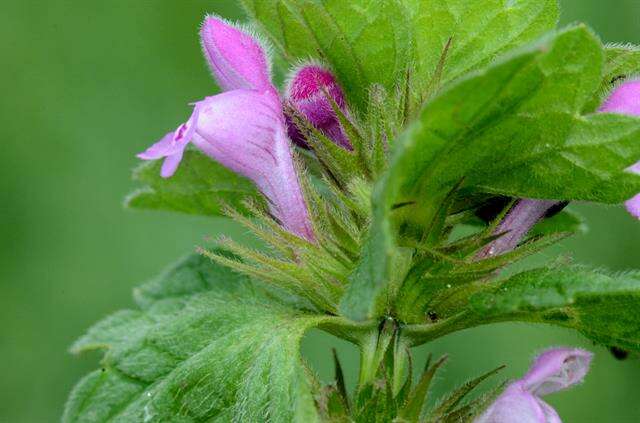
[243, 128]
[237, 59]
[516, 224]
[307, 92]
[554, 370]
[625, 100]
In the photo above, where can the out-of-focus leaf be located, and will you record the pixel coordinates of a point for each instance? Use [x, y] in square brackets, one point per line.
[567, 221]
[200, 186]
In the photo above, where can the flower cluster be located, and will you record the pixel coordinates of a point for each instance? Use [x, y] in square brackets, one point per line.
[244, 128]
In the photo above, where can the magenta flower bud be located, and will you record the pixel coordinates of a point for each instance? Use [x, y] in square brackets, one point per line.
[236, 58]
[625, 100]
[243, 129]
[307, 92]
[554, 370]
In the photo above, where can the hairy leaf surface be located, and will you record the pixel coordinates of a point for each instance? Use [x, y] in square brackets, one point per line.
[514, 129]
[200, 186]
[479, 31]
[365, 42]
[205, 345]
[604, 307]
[381, 42]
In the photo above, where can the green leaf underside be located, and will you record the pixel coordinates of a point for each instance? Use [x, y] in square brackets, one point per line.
[206, 345]
[527, 106]
[602, 307]
[200, 186]
[364, 41]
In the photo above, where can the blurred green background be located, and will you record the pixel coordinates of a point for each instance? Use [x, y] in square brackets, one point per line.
[84, 85]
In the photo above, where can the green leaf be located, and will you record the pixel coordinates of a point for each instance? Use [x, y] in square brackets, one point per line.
[366, 42]
[515, 129]
[479, 30]
[363, 298]
[200, 186]
[379, 273]
[205, 345]
[415, 404]
[589, 164]
[601, 306]
[566, 221]
[377, 42]
[621, 62]
[473, 409]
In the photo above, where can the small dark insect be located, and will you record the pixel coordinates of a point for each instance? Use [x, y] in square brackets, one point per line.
[619, 353]
[432, 316]
[617, 78]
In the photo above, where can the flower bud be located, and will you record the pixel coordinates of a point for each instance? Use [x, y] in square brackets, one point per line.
[235, 57]
[625, 100]
[307, 93]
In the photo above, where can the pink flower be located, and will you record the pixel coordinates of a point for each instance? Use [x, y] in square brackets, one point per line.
[307, 92]
[243, 128]
[625, 100]
[516, 224]
[552, 371]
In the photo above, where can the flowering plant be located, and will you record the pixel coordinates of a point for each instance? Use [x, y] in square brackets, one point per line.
[417, 151]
